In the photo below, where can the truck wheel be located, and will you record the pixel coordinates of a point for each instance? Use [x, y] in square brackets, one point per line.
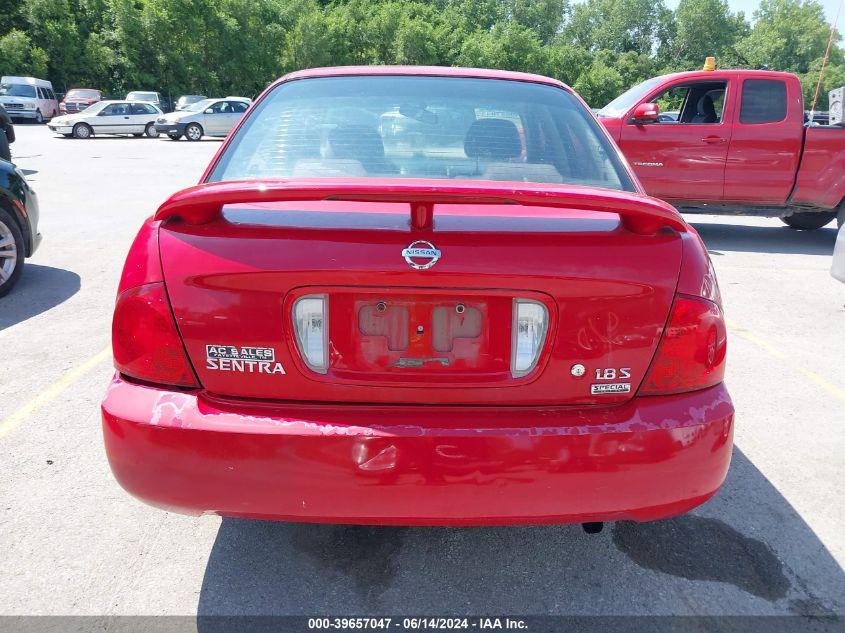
[809, 220]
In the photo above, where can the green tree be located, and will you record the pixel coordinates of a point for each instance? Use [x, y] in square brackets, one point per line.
[544, 17]
[788, 35]
[620, 25]
[567, 62]
[599, 85]
[834, 77]
[509, 46]
[9, 15]
[705, 28]
[19, 57]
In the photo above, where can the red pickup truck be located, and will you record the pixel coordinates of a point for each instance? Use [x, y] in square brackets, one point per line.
[737, 144]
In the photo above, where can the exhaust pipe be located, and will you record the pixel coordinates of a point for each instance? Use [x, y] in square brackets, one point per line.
[593, 527]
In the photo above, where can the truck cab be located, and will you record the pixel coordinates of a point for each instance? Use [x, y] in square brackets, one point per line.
[739, 144]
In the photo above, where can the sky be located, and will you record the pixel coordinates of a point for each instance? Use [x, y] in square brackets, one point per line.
[749, 6]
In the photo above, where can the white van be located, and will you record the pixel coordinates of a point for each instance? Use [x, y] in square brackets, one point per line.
[28, 98]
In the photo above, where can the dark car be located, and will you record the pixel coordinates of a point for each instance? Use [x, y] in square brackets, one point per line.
[7, 135]
[155, 98]
[188, 100]
[19, 236]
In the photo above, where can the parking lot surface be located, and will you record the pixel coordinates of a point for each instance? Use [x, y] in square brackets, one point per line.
[72, 542]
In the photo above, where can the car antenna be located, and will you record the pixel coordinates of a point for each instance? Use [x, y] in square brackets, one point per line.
[824, 61]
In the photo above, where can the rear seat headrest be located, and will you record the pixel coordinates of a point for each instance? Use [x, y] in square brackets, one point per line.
[493, 139]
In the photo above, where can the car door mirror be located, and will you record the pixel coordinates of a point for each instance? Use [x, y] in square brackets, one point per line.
[646, 113]
[209, 111]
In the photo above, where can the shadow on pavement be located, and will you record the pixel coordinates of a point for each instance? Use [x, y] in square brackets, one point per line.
[39, 289]
[746, 552]
[776, 238]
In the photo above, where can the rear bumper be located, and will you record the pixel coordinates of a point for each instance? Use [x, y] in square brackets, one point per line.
[648, 459]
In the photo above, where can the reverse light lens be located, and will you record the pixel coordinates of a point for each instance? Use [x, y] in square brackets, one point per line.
[311, 322]
[145, 342]
[692, 352]
[528, 333]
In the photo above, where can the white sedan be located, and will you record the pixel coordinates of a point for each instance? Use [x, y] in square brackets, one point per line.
[209, 117]
[109, 117]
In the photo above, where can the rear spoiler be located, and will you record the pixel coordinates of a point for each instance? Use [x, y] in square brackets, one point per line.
[204, 203]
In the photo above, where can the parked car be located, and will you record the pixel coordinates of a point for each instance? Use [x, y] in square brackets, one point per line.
[210, 117]
[77, 99]
[294, 340]
[185, 100]
[155, 98]
[739, 146]
[19, 236]
[109, 117]
[28, 98]
[7, 135]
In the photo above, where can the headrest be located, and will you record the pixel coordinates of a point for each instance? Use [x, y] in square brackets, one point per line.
[493, 139]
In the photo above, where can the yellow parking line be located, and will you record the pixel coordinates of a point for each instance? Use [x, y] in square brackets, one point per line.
[821, 381]
[14, 420]
[825, 384]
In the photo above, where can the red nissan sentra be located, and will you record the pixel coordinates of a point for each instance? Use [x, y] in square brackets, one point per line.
[419, 296]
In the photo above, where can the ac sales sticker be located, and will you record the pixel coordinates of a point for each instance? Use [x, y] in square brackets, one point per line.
[615, 387]
[248, 360]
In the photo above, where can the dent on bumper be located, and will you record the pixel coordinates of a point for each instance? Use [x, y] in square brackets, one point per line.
[186, 452]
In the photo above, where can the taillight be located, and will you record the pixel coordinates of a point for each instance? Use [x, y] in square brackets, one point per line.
[311, 323]
[528, 333]
[145, 342]
[691, 354]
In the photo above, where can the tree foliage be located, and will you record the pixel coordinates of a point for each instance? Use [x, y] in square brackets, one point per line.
[238, 46]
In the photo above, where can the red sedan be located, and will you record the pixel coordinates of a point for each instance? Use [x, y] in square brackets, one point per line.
[419, 296]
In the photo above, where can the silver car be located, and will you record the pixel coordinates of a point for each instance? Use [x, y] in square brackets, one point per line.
[210, 117]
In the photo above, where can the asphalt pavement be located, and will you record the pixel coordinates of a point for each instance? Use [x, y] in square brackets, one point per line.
[72, 542]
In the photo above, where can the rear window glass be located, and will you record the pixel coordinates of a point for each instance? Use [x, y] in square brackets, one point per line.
[763, 101]
[422, 127]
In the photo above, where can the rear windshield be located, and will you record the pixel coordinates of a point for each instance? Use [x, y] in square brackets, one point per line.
[422, 127]
[142, 96]
[17, 90]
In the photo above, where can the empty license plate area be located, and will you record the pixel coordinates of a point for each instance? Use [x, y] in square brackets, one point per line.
[417, 335]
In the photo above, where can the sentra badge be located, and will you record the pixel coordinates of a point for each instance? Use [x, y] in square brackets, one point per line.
[421, 255]
[247, 360]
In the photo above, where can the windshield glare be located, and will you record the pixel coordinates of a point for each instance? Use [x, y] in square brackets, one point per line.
[199, 106]
[621, 104]
[83, 94]
[94, 108]
[422, 127]
[17, 90]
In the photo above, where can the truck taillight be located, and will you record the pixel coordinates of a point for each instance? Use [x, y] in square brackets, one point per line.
[528, 333]
[145, 342]
[691, 354]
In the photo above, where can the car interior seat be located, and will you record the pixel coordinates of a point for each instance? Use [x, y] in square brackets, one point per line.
[706, 111]
[361, 143]
[492, 140]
